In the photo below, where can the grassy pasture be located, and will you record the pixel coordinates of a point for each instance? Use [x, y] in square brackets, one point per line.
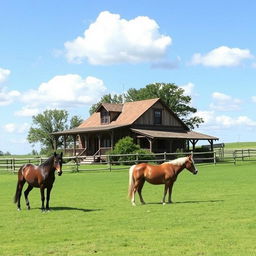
[213, 214]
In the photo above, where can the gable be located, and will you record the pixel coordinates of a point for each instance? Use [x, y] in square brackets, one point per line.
[168, 118]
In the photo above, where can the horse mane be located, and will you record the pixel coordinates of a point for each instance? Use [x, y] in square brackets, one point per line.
[47, 162]
[179, 161]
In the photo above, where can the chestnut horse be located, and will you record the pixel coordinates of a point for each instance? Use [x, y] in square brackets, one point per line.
[165, 173]
[41, 176]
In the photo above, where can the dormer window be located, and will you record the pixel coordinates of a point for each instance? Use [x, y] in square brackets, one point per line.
[157, 116]
[105, 118]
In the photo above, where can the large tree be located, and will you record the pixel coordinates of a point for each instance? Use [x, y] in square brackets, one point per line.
[48, 122]
[172, 95]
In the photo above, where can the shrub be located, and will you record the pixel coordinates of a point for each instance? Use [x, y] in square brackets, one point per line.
[126, 146]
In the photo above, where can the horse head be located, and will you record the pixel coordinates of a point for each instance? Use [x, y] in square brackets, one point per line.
[190, 165]
[57, 163]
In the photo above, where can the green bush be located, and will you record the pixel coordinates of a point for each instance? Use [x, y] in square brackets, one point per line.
[126, 146]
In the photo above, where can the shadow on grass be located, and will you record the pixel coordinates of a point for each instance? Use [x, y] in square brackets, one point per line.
[66, 208]
[191, 202]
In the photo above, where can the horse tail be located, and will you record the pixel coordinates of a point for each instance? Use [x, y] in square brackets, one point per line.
[16, 196]
[131, 181]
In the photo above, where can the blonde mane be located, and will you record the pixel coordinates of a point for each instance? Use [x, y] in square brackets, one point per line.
[179, 161]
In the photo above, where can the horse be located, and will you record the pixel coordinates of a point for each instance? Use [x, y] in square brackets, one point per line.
[165, 173]
[41, 176]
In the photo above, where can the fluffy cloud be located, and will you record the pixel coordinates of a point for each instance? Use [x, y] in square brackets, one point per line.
[17, 128]
[188, 88]
[4, 73]
[222, 57]
[254, 99]
[111, 40]
[64, 91]
[223, 102]
[27, 112]
[214, 121]
[7, 97]
[228, 121]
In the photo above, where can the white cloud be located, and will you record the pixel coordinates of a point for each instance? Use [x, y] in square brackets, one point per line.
[27, 112]
[228, 121]
[213, 121]
[254, 99]
[188, 88]
[111, 40]
[17, 128]
[65, 90]
[224, 102]
[4, 73]
[7, 97]
[222, 56]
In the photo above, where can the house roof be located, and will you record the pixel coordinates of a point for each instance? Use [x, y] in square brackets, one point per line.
[171, 135]
[131, 111]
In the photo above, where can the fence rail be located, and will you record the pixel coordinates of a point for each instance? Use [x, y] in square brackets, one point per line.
[117, 162]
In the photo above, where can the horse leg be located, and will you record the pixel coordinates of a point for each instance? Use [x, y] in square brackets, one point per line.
[26, 195]
[140, 186]
[166, 186]
[170, 193]
[19, 191]
[48, 197]
[42, 197]
[135, 188]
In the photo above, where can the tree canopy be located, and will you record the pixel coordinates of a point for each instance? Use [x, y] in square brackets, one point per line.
[48, 122]
[172, 95]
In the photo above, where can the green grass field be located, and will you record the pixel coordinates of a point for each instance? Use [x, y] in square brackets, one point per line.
[213, 214]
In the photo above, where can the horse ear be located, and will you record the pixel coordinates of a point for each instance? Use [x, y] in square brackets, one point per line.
[61, 154]
[55, 154]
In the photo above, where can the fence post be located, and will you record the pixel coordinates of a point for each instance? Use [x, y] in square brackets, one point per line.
[109, 162]
[214, 157]
[77, 164]
[137, 158]
[13, 164]
[234, 157]
[164, 156]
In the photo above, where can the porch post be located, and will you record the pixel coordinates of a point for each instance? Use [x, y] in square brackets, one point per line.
[65, 142]
[211, 144]
[55, 142]
[74, 146]
[112, 139]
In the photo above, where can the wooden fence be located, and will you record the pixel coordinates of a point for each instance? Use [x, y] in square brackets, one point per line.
[117, 162]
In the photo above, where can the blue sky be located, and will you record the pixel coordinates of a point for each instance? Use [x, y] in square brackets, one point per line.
[67, 54]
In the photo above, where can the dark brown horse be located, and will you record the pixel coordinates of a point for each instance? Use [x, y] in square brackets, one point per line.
[41, 176]
[165, 173]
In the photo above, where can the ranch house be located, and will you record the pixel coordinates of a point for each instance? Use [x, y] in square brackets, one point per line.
[151, 123]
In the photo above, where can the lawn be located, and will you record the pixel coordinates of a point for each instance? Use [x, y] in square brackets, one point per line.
[213, 214]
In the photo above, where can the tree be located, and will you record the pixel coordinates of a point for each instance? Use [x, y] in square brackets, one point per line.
[108, 98]
[50, 121]
[172, 95]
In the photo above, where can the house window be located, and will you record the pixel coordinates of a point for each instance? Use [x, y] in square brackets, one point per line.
[157, 116]
[104, 117]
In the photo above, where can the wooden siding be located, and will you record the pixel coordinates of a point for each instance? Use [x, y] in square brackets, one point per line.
[167, 118]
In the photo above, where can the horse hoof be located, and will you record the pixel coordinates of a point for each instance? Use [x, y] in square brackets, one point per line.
[164, 203]
[18, 209]
[28, 207]
[133, 204]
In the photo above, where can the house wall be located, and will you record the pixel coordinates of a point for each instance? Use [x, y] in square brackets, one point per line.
[167, 118]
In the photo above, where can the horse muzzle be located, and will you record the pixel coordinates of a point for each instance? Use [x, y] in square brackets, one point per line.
[195, 172]
[59, 172]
